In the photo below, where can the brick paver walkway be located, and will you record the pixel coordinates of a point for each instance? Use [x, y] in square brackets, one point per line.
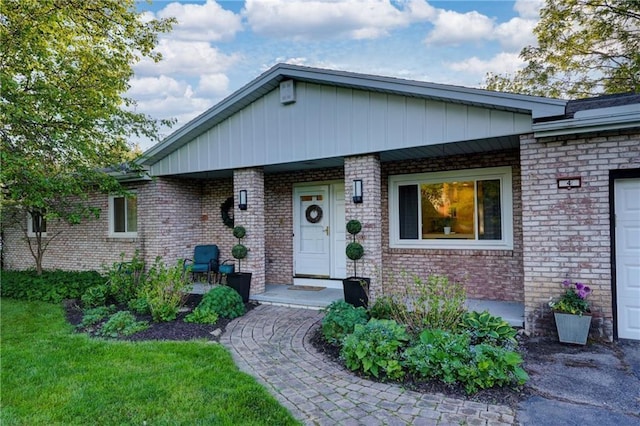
[272, 344]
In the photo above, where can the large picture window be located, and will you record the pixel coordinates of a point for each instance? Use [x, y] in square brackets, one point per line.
[461, 209]
[123, 216]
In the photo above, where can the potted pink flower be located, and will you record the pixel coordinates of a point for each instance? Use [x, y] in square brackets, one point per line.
[571, 312]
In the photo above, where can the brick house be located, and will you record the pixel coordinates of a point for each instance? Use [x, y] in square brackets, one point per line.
[510, 193]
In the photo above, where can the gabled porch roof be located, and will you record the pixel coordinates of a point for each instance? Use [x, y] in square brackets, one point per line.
[348, 114]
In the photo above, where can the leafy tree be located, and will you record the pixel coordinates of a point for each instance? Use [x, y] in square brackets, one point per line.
[64, 67]
[585, 48]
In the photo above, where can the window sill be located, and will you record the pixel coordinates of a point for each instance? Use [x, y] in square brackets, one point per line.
[462, 251]
[112, 239]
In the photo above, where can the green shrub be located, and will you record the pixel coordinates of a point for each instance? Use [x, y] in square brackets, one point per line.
[492, 366]
[93, 316]
[340, 320]
[51, 286]
[387, 307]
[165, 290]
[202, 316]
[439, 354]
[435, 302]
[122, 323]
[450, 358]
[485, 327]
[139, 305]
[125, 278]
[376, 347]
[223, 300]
[95, 296]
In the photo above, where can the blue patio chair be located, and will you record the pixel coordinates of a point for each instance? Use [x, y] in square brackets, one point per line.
[205, 261]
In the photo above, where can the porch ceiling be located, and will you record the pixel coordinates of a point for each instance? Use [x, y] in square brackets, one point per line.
[431, 151]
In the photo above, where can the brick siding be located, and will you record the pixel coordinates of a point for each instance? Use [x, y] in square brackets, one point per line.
[567, 232]
[369, 213]
[486, 274]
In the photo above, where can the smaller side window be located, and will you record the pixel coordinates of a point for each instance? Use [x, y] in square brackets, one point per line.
[36, 222]
[123, 216]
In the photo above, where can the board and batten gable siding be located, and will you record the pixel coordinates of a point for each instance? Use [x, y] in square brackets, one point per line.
[329, 121]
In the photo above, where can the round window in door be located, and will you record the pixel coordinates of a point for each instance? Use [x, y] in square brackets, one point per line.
[313, 213]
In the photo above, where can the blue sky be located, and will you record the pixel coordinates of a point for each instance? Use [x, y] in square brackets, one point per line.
[218, 47]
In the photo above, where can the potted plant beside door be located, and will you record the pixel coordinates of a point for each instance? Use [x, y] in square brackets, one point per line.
[571, 312]
[355, 288]
[240, 281]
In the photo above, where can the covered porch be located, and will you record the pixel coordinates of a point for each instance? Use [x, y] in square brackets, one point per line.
[312, 297]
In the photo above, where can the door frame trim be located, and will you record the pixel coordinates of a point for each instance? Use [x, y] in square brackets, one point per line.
[296, 224]
[615, 175]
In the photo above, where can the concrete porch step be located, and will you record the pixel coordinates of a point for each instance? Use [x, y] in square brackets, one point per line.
[284, 295]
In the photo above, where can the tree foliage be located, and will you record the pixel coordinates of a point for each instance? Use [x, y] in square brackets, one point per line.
[585, 48]
[64, 68]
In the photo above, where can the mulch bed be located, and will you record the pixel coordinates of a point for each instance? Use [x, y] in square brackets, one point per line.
[502, 396]
[172, 330]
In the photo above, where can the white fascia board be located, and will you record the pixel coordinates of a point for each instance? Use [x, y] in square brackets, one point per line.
[596, 120]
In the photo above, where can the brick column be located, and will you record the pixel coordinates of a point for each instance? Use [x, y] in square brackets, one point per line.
[369, 213]
[252, 180]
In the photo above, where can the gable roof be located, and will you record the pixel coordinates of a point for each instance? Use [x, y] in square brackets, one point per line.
[538, 107]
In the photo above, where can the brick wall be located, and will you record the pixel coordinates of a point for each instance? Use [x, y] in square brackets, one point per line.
[566, 233]
[85, 246]
[214, 193]
[487, 274]
[369, 213]
[174, 215]
[253, 220]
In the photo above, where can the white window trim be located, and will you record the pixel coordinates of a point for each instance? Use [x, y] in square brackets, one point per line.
[504, 174]
[112, 233]
[30, 232]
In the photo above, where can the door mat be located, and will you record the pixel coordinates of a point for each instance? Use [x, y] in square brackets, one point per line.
[305, 288]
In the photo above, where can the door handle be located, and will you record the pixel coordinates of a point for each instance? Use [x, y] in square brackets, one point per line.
[326, 230]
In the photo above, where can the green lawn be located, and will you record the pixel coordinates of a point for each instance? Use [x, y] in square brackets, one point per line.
[50, 375]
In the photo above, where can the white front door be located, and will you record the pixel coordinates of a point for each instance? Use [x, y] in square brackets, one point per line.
[319, 237]
[627, 232]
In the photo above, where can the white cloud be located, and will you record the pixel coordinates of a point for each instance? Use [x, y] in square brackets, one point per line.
[204, 22]
[154, 87]
[186, 58]
[515, 34]
[322, 19]
[500, 63]
[453, 28]
[213, 84]
[529, 9]
[420, 10]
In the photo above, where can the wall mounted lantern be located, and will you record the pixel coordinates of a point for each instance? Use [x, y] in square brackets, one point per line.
[242, 205]
[357, 191]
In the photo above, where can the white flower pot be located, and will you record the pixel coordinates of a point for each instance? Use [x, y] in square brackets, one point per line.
[447, 230]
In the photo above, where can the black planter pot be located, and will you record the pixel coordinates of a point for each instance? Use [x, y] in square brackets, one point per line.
[240, 282]
[356, 291]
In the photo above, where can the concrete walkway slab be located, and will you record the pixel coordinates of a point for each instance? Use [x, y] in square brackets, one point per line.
[272, 344]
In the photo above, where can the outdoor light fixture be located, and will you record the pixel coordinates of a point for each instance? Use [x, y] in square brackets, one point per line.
[357, 191]
[242, 205]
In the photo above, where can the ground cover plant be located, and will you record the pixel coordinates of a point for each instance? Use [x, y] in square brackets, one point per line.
[51, 375]
[51, 286]
[425, 335]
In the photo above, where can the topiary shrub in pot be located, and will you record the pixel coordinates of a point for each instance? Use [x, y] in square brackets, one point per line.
[240, 281]
[355, 288]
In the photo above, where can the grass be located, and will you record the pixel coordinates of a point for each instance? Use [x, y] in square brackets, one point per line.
[50, 375]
